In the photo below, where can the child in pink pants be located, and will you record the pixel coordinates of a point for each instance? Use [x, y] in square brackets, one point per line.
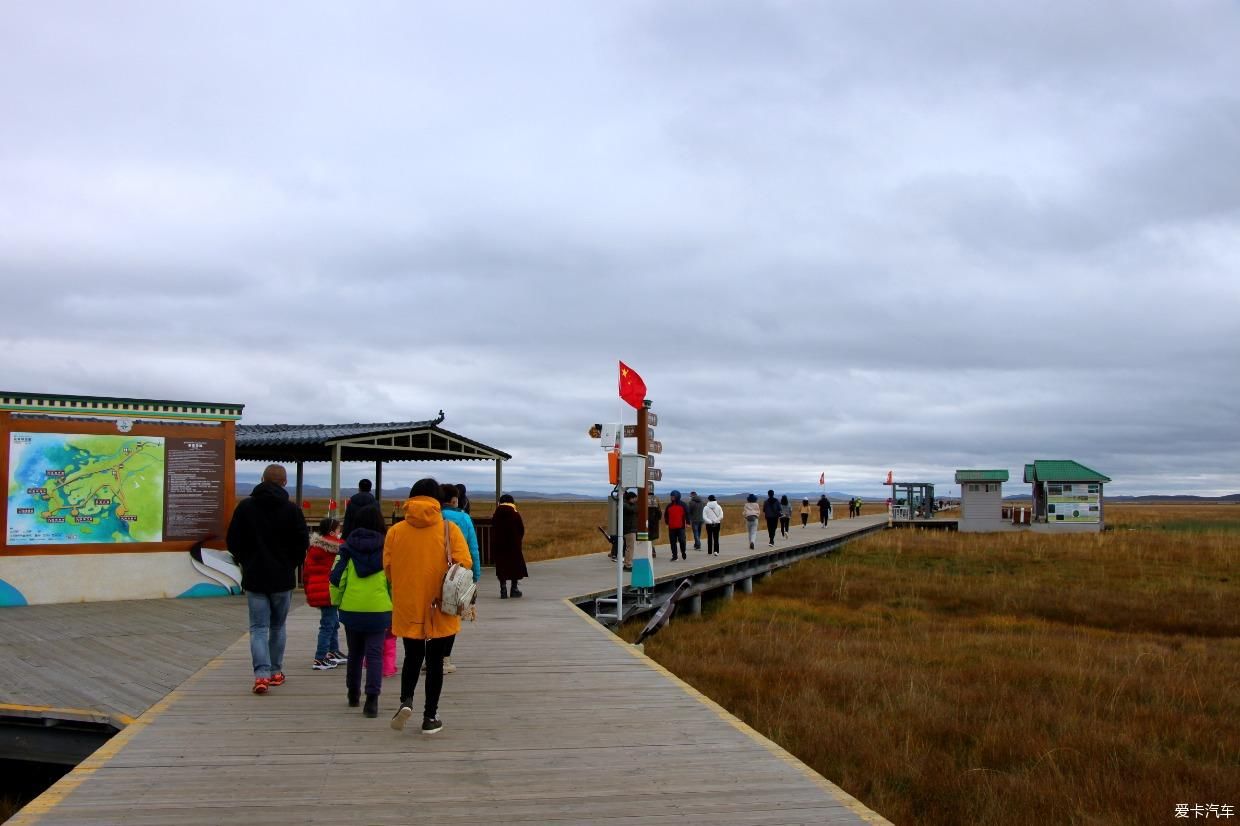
[389, 654]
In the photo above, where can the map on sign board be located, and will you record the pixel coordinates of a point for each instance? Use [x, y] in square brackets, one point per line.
[78, 488]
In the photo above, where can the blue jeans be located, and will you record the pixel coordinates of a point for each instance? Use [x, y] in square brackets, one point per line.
[329, 631]
[267, 633]
[697, 536]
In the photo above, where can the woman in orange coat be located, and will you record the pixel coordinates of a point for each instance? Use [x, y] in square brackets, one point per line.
[415, 558]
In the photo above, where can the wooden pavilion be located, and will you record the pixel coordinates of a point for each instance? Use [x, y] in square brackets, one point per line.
[426, 441]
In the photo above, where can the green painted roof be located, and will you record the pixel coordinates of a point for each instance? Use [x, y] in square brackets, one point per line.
[1062, 470]
[1028, 473]
[981, 476]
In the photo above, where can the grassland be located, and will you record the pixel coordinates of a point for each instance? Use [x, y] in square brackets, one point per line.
[997, 679]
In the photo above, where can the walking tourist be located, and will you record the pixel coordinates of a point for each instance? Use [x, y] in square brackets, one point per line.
[360, 588]
[415, 559]
[507, 533]
[677, 517]
[628, 529]
[696, 505]
[785, 515]
[462, 498]
[315, 571]
[363, 498]
[712, 517]
[770, 510]
[448, 501]
[268, 538]
[750, 512]
[804, 511]
[824, 510]
[654, 516]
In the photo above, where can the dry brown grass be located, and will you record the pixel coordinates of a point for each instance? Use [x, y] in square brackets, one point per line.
[997, 679]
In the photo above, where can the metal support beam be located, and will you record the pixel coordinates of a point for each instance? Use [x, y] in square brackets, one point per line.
[747, 585]
[729, 590]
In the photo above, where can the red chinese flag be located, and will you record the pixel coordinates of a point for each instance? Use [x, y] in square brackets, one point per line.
[888, 482]
[305, 505]
[632, 388]
[822, 478]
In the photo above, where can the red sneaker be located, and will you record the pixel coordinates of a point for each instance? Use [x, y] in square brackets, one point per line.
[277, 679]
[261, 684]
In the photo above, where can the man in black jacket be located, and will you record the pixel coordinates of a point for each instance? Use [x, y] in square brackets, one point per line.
[363, 498]
[268, 538]
[770, 509]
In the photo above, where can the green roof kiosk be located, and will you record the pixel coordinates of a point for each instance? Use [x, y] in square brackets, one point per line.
[1067, 496]
[981, 501]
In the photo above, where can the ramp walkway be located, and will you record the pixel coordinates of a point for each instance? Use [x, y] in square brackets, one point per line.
[550, 718]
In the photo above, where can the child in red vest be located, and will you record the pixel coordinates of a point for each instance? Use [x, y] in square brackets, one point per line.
[320, 557]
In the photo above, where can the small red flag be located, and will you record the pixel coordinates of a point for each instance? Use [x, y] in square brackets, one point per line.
[632, 388]
[822, 478]
[888, 482]
[331, 504]
[305, 505]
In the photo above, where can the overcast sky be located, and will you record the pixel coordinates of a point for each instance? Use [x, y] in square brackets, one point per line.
[848, 237]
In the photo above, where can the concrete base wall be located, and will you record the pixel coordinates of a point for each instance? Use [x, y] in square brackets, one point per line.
[1067, 527]
[985, 526]
[36, 580]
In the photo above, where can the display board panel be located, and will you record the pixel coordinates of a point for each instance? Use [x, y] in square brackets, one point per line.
[1074, 508]
[112, 489]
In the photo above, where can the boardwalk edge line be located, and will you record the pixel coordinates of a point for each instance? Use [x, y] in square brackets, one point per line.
[33, 811]
[851, 803]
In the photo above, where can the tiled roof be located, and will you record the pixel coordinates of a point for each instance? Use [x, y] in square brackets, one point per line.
[1062, 470]
[317, 434]
[981, 476]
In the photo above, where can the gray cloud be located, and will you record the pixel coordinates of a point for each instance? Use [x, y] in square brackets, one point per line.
[850, 238]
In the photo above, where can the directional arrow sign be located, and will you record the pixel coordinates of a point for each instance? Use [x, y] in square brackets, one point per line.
[649, 461]
[630, 432]
[654, 474]
[652, 419]
[654, 447]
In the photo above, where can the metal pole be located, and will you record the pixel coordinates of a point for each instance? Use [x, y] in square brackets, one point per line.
[379, 483]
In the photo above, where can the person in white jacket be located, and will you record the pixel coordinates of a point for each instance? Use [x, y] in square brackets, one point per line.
[712, 515]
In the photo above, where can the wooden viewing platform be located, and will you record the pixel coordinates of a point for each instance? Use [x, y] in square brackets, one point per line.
[550, 718]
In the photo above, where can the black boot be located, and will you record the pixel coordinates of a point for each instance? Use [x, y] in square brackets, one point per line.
[516, 592]
[503, 591]
[371, 709]
[355, 699]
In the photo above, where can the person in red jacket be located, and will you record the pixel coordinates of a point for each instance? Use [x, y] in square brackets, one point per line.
[677, 518]
[320, 557]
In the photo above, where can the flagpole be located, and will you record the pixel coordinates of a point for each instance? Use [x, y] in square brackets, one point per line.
[620, 515]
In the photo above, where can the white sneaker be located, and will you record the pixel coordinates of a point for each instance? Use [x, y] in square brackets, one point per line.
[448, 667]
[401, 717]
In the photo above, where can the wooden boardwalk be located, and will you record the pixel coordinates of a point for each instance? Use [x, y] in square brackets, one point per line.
[109, 660]
[549, 719]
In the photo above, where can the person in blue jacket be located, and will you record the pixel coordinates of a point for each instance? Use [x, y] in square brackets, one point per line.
[449, 499]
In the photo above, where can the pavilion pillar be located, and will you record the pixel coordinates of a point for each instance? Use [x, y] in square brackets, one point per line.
[379, 483]
[301, 483]
[335, 478]
[499, 480]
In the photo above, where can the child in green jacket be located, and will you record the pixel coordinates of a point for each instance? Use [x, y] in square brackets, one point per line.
[361, 589]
